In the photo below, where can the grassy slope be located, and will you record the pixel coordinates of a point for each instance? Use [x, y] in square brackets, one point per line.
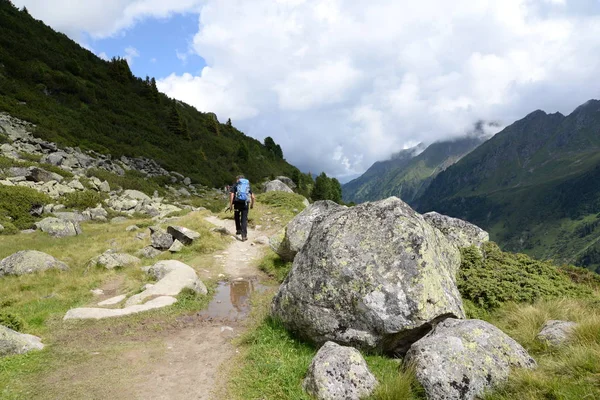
[77, 99]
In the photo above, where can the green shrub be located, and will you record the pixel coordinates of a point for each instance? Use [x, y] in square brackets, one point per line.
[132, 180]
[82, 200]
[56, 170]
[11, 321]
[30, 157]
[496, 277]
[16, 202]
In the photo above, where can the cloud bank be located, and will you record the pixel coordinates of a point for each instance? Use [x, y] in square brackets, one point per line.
[340, 84]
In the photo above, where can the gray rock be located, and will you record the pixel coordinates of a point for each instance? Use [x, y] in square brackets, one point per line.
[277, 186]
[41, 175]
[12, 342]
[176, 247]
[184, 192]
[75, 184]
[339, 373]
[461, 233]
[149, 252]
[98, 214]
[461, 359]
[288, 242]
[132, 228]
[55, 158]
[28, 262]
[184, 235]
[187, 181]
[173, 276]
[141, 236]
[118, 220]
[287, 181]
[101, 313]
[104, 187]
[376, 276]
[72, 216]
[37, 210]
[58, 227]
[136, 195]
[1, 228]
[161, 240]
[111, 259]
[18, 172]
[556, 332]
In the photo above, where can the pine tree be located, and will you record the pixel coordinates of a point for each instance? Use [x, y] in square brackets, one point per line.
[175, 123]
[228, 123]
[322, 188]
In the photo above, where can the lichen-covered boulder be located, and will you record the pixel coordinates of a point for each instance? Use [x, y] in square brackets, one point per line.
[59, 227]
[339, 373]
[28, 262]
[111, 259]
[290, 240]
[461, 233]
[161, 240]
[375, 276]
[277, 186]
[287, 181]
[556, 332]
[460, 359]
[12, 342]
[184, 235]
[41, 175]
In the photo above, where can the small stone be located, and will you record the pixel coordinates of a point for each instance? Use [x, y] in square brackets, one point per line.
[97, 292]
[176, 247]
[132, 228]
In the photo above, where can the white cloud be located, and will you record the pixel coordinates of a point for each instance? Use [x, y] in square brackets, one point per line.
[103, 56]
[131, 53]
[343, 83]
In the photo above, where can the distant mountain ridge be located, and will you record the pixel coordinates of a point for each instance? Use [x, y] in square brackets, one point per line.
[534, 186]
[408, 173]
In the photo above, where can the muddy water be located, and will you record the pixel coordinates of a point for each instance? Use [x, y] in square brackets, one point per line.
[232, 300]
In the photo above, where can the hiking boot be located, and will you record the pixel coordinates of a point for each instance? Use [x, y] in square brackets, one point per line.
[244, 238]
[238, 232]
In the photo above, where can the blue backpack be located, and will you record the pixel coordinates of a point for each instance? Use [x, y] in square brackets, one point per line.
[242, 192]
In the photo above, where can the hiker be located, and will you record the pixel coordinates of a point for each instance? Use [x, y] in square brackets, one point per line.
[240, 197]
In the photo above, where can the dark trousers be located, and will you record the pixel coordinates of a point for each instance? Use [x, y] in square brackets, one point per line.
[241, 218]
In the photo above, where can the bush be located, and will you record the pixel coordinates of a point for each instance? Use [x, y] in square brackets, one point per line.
[496, 277]
[11, 321]
[283, 200]
[16, 202]
[82, 200]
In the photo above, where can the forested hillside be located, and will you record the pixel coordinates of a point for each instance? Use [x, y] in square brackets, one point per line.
[77, 99]
[534, 186]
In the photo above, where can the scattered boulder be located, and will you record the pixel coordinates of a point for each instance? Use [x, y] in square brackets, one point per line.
[29, 261]
[461, 233]
[460, 359]
[161, 240]
[41, 175]
[36, 210]
[136, 195]
[184, 235]
[339, 373]
[149, 252]
[187, 181]
[12, 342]
[72, 216]
[118, 220]
[112, 301]
[132, 228]
[59, 227]
[376, 276]
[75, 184]
[173, 276]
[287, 181]
[111, 259]
[277, 186]
[101, 313]
[176, 247]
[296, 232]
[104, 187]
[98, 213]
[556, 332]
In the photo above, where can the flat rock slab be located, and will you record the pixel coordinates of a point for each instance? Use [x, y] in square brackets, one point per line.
[112, 301]
[101, 313]
[173, 276]
[28, 262]
[460, 359]
[339, 373]
[184, 235]
[12, 342]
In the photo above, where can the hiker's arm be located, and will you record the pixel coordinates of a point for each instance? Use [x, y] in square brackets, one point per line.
[230, 199]
[252, 198]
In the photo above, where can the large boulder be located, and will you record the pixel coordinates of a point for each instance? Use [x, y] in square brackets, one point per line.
[460, 359]
[287, 181]
[556, 332]
[461, 233]
[136, 195]
[41, 175]
[173, 276]
[184, 235]
[58, 227]
[339, 373]
[374, 276]
[289, 242]
[111, 259]
[277, 186]
[29, 261]
[12, 342]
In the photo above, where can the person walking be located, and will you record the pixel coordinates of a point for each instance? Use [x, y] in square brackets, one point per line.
[240, 198]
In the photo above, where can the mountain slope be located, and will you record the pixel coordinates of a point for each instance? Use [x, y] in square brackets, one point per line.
[77, 99]
[534, 186]
[409, 173]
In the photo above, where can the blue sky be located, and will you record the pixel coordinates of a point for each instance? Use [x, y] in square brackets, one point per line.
[341, 84]
[158, 41]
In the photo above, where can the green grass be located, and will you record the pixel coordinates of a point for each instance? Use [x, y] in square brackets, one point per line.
[275, 267]
[15, 204]
[132, 180]
[82, 200]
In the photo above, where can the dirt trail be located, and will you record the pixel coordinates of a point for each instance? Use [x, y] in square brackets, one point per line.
[194, 355]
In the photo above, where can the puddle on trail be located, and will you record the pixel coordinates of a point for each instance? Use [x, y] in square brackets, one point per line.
[232, 300]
